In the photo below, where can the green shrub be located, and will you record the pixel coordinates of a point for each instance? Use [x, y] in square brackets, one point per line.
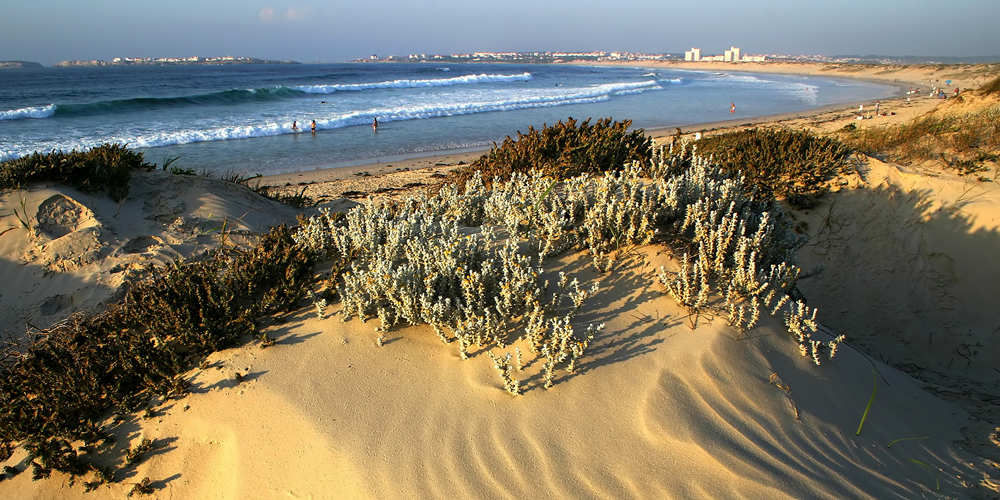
[562, 151]
[106, 167]
[790, 164]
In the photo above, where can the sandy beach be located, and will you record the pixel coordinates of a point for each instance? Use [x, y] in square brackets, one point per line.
[665, 404]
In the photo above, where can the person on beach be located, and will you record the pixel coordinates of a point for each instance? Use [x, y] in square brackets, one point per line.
[314, 126]
[876, 108]
[732, 107]
[375, 124]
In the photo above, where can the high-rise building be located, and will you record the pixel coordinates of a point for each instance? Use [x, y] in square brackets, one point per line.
[736, 54]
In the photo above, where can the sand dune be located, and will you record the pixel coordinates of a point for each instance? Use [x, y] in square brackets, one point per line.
[664, 404]
[659, 410]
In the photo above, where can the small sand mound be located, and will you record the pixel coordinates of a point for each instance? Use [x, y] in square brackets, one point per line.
[55, 304]
[142, 244]
[60, 215]
[70, 252]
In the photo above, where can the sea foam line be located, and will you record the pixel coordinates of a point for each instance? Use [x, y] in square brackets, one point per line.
[523, 100]
[405, 84]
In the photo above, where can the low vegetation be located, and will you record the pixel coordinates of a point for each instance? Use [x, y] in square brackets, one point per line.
[107, 167]
[414, 263]
[964, 141]
[795, 165]
[991, 87]
[56, 391]
[564, 150]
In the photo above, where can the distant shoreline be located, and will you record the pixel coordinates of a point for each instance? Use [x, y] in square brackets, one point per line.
[19, 64]
[171, 61]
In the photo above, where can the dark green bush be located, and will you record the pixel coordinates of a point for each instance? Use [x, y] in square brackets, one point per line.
[106, 167]
[779, 163]
[562, 151]
[55, 392]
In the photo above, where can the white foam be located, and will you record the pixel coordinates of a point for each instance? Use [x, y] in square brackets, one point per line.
[408, 84]
[467, 103]
[638, 90]
[33, 112]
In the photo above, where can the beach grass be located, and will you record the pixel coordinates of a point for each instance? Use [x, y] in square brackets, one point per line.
[107, 167]
[965, 141]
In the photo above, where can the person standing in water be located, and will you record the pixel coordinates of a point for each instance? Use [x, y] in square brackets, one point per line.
[732, 107]
[295, 125]
[314, 126]
[375, 124]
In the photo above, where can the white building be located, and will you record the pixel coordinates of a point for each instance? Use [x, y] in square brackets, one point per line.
[734, 54]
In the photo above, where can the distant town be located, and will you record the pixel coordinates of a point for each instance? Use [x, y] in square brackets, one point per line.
[734, 54]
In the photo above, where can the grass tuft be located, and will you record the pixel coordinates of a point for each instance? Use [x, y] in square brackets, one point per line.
[937, 481]
[870, 401]
[107, 167]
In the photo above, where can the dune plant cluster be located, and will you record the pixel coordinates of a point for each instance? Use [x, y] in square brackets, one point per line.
[460, 262]
[736, 251]
[107, 167]
[468, 260]
[785, 163]
[564, 150]
[55, 392]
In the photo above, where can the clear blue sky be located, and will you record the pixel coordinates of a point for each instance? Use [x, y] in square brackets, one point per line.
[49, 31]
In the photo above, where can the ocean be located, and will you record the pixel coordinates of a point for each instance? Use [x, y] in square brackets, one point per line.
[221, 119]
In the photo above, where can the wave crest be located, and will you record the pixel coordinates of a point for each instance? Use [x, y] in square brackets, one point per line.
[409, 84]
[32, 112]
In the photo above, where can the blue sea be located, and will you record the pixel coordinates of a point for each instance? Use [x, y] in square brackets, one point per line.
[220, 119]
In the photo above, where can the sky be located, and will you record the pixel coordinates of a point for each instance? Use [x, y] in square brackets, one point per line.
[49, 31]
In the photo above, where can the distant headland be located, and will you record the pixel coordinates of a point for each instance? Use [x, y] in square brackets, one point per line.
[171, 61]
[18, 64]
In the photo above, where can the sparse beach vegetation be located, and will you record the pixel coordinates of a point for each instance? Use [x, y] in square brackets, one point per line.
[467, 260]
[107, 167]
[965, 140]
